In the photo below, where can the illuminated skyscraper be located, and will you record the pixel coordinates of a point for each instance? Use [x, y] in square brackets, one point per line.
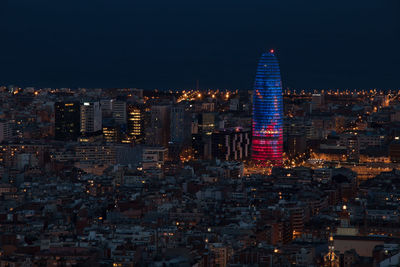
[136, 122]
[267, 142]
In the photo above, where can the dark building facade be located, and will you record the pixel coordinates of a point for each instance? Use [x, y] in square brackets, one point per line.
[231, 144]
[67, 120]
[180, 126]
[296, 145]
[394, 151]
[158, 134]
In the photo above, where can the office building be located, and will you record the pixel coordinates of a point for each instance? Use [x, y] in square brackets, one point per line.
[267, 136]
[90, 117]
[119, 112]
[159, 131]
[111, 131]
[231, 144]
[136, 114]
[67, 120]
[180, 126]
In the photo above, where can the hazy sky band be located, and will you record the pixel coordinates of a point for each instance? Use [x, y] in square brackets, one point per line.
[171, 44]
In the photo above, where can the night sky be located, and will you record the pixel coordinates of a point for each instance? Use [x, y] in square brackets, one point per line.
[171, 44]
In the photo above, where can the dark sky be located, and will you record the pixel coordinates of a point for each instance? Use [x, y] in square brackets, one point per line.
[171, 44]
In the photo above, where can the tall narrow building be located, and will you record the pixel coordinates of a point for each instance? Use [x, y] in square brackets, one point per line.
[267, 134]
[136, 122]
[119, 111]
[158, 134]
[180, 126]
[90, 117]
[67, 120]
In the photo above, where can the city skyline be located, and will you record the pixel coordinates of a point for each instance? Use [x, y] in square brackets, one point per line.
[127, 177]
[200, 133]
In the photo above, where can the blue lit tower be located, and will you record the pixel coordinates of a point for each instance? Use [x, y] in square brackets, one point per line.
[267, 142]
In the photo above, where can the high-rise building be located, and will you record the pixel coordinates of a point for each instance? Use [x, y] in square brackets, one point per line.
[111, 131]
[106, 106]
[267, 135]
[67, 118]
[136, 114]
[159, 131]
[90, 117]
[119, 111]
[180, 126]
[181, 131]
